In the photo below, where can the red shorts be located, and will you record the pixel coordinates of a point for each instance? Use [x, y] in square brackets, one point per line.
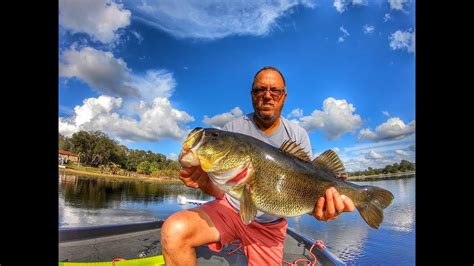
[262, 242]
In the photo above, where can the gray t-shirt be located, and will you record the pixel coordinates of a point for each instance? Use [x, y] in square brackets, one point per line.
[286, 130]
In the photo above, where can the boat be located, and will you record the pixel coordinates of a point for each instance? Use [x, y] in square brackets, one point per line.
[140, 244]
[141, 241]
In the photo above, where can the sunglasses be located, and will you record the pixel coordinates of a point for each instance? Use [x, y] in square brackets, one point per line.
[274, 92]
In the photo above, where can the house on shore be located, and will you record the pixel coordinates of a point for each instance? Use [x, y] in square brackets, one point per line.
[66, 156]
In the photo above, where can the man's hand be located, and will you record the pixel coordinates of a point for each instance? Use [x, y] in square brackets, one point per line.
[335, 204]
[195, 177]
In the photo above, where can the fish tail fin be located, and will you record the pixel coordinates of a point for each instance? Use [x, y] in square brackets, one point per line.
[374, 200]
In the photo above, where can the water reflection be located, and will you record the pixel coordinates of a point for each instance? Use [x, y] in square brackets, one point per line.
[91, 201]
[346, 236]
[400, 215]
[91, 193]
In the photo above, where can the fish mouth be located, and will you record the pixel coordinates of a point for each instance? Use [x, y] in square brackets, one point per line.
[193, 138]
[187, 157]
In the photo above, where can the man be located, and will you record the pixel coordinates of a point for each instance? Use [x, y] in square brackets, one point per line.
[218, 222]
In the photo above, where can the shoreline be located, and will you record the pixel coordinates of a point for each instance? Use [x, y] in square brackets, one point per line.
[166, 180]
[382, 176]
[177, 181]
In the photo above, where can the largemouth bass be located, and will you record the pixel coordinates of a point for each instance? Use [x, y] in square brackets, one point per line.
[282, 182]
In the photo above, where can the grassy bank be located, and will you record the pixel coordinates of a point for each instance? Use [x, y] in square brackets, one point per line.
[94, 172]
[381, 176]
[172, 176]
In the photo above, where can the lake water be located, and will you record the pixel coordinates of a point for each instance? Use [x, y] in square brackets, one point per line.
[90, 201]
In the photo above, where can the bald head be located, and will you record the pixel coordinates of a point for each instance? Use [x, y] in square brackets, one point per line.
[269, 68]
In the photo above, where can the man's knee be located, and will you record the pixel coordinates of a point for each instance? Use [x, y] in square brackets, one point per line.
[176, 230]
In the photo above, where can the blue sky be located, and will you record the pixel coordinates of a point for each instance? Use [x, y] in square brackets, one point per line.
[148, 72]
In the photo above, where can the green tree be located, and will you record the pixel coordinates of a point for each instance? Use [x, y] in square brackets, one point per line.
[94, 148]
[406, 165]
[64, 143]
[143, 168]
[370, 171]
[154, 167]
[119, 155]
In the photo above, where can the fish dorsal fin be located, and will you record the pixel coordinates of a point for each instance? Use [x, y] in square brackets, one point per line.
[290, 146]
[330, 160]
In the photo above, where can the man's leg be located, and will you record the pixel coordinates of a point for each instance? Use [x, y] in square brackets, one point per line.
[182, 232]
[264, 243]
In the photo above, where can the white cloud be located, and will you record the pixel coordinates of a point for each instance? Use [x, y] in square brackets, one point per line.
[298, 112]
[360, 162]
[67, 127]
[385, 113]
[387, 17]
[360, 2]
[382, 146]
[403, 40]
[374, 160]
[397, 4]
[213, 19]
[172, 156]
[336, 149]
[364, 155]
[99, 18]
[368, 29]
[401, 152]
[341, 5]
[155, 83]
[111, 76]
[373, 155]
[355, 163]
[393, 128]
[138, 36]
[336, 118]
[220, 120]
[345, 34]
[156, 121]
[101, 70]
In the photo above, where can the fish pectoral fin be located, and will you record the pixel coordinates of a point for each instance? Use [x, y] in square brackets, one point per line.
[330, 160]
[248, 210]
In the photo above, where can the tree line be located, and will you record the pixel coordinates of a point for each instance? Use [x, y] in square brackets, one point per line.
[403, 166]
[96, 149]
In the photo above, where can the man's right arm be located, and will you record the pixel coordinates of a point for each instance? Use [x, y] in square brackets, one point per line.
[195, 177]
